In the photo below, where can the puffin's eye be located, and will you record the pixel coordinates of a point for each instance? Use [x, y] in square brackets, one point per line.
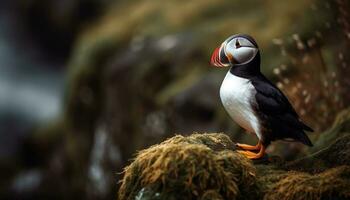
[237, 44]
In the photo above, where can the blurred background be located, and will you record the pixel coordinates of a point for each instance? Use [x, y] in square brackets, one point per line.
[85, 84]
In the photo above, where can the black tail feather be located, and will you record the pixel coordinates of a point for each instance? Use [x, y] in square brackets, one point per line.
[306, 127]
[303, 138]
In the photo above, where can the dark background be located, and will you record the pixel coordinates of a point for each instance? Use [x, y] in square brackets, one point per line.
[84, 84]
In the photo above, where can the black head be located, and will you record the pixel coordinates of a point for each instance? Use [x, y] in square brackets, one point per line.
[240, 52]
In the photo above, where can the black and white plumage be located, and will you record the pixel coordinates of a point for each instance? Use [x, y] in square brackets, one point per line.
[251, 100]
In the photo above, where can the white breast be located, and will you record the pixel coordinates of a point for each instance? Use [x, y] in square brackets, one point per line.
[237, 95]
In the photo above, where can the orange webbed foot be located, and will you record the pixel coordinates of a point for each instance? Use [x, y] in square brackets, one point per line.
[252, 155]
[249, 147]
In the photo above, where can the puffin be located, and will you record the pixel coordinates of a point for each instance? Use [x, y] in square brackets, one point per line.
[253, 101]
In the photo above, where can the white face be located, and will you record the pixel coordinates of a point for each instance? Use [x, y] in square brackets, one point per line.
[240, 50]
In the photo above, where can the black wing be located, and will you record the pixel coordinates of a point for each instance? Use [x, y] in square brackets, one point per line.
[278, 111]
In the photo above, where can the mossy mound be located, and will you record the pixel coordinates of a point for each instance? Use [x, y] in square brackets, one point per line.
[194, 167]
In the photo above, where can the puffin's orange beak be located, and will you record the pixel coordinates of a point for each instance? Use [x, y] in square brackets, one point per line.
[219, 59]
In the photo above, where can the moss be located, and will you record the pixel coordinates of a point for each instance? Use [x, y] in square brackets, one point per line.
[267, 176]
[206, 166]
[215, 141]
[331, 148]
[340, 126]
[336, 154]
[198, 166]
[331, 184]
